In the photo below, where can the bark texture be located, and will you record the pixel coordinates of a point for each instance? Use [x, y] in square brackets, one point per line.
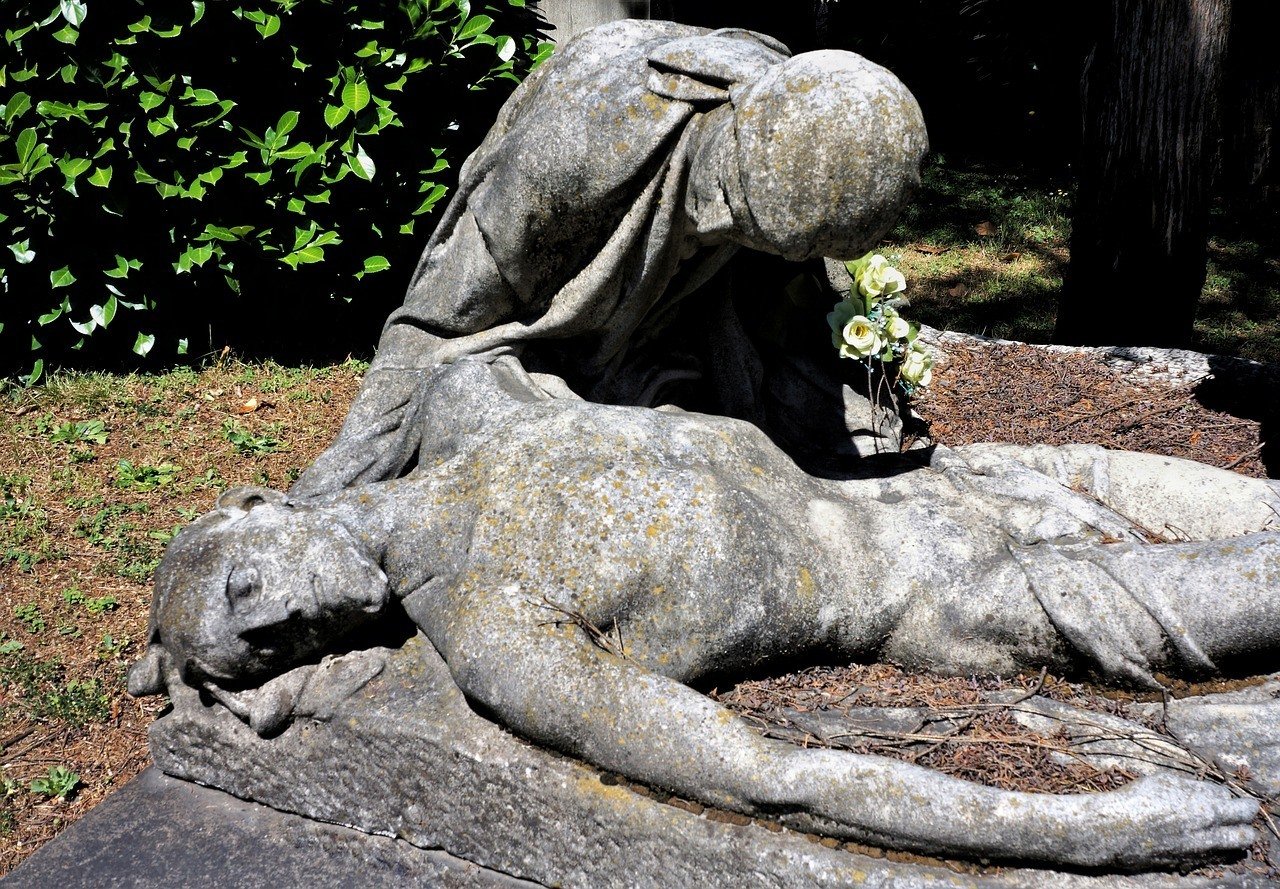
[1251, 177]
[1150, 93]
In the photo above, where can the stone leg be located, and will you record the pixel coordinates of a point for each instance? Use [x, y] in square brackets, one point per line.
[1192, 609]
[553, 686]
[1172, 498]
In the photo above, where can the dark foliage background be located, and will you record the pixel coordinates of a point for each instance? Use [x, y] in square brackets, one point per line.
[176, 177]
[998, 80]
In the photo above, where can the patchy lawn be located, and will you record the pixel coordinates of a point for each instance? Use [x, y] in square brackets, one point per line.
[97, 473]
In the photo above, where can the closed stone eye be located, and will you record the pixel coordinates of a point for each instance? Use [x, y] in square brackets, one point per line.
[243, 585]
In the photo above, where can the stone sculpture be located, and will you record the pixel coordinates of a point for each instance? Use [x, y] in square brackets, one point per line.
[584, 515]
[695, 546]
[588, 229]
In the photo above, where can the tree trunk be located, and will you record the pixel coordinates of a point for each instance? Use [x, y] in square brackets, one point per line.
[1150, 93]
[1251, 177]
[822, 23]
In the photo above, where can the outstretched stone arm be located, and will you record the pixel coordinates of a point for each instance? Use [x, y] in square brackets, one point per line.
[553, 686]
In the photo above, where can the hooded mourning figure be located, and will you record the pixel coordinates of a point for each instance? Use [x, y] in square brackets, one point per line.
[591, 242]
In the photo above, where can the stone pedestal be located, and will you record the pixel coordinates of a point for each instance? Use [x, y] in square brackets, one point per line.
[406, 757]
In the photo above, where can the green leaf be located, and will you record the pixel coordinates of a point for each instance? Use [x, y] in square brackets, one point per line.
[355, 95]
[475, 26]
[302, 236]
[297, 205]
[26, 142]
[294, 152]
[335, 114]
[432, 198]
[197, 9]
[16, 107]
[506, 47]
[73, 167]
[61, 277]
[145, 341]
[361, 164]
[100, 177]
[73, 11]
[67, 35]
[22, 252]
[105, 313]
[287, 122]
[260, 178]
[120, 271]
[201, 97]
[37, 371]
[304, 256]
[56, 110]
[149, 100]
[376, 264]
[270, 26]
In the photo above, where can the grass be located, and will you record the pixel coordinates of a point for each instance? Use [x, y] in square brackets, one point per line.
[97, 473]
[985, 251]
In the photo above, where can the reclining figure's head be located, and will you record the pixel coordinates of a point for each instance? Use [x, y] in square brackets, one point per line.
[254, 588]
[818, 157]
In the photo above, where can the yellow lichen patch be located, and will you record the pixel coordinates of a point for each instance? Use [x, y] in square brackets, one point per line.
[805, 587]
[614, 793]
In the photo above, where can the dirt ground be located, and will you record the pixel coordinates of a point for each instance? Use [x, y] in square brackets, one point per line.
[98, 472]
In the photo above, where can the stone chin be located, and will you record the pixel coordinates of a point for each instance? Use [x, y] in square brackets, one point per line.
[254, 588]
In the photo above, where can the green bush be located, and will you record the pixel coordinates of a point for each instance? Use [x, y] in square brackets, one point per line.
[166, 164]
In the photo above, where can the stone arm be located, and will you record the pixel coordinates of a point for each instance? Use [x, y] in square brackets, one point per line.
[551, 685]
[458, 280]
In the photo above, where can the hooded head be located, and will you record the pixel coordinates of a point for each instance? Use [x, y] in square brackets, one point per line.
[252, 589]
[817, 157]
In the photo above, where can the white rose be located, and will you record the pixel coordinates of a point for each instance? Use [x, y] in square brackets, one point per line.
[878, 278]
[896, 326]
[861, 337]
[917, 368]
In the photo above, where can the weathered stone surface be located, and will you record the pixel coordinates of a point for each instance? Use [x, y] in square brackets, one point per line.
[159, 833]
[577, 565]
[407, 757]
[595, 241]
[596, 464]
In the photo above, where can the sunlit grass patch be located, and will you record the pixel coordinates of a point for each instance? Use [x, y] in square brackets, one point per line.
[986, 252]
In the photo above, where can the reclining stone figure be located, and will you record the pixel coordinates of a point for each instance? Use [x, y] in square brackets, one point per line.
[581, 564]
[697, 548]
